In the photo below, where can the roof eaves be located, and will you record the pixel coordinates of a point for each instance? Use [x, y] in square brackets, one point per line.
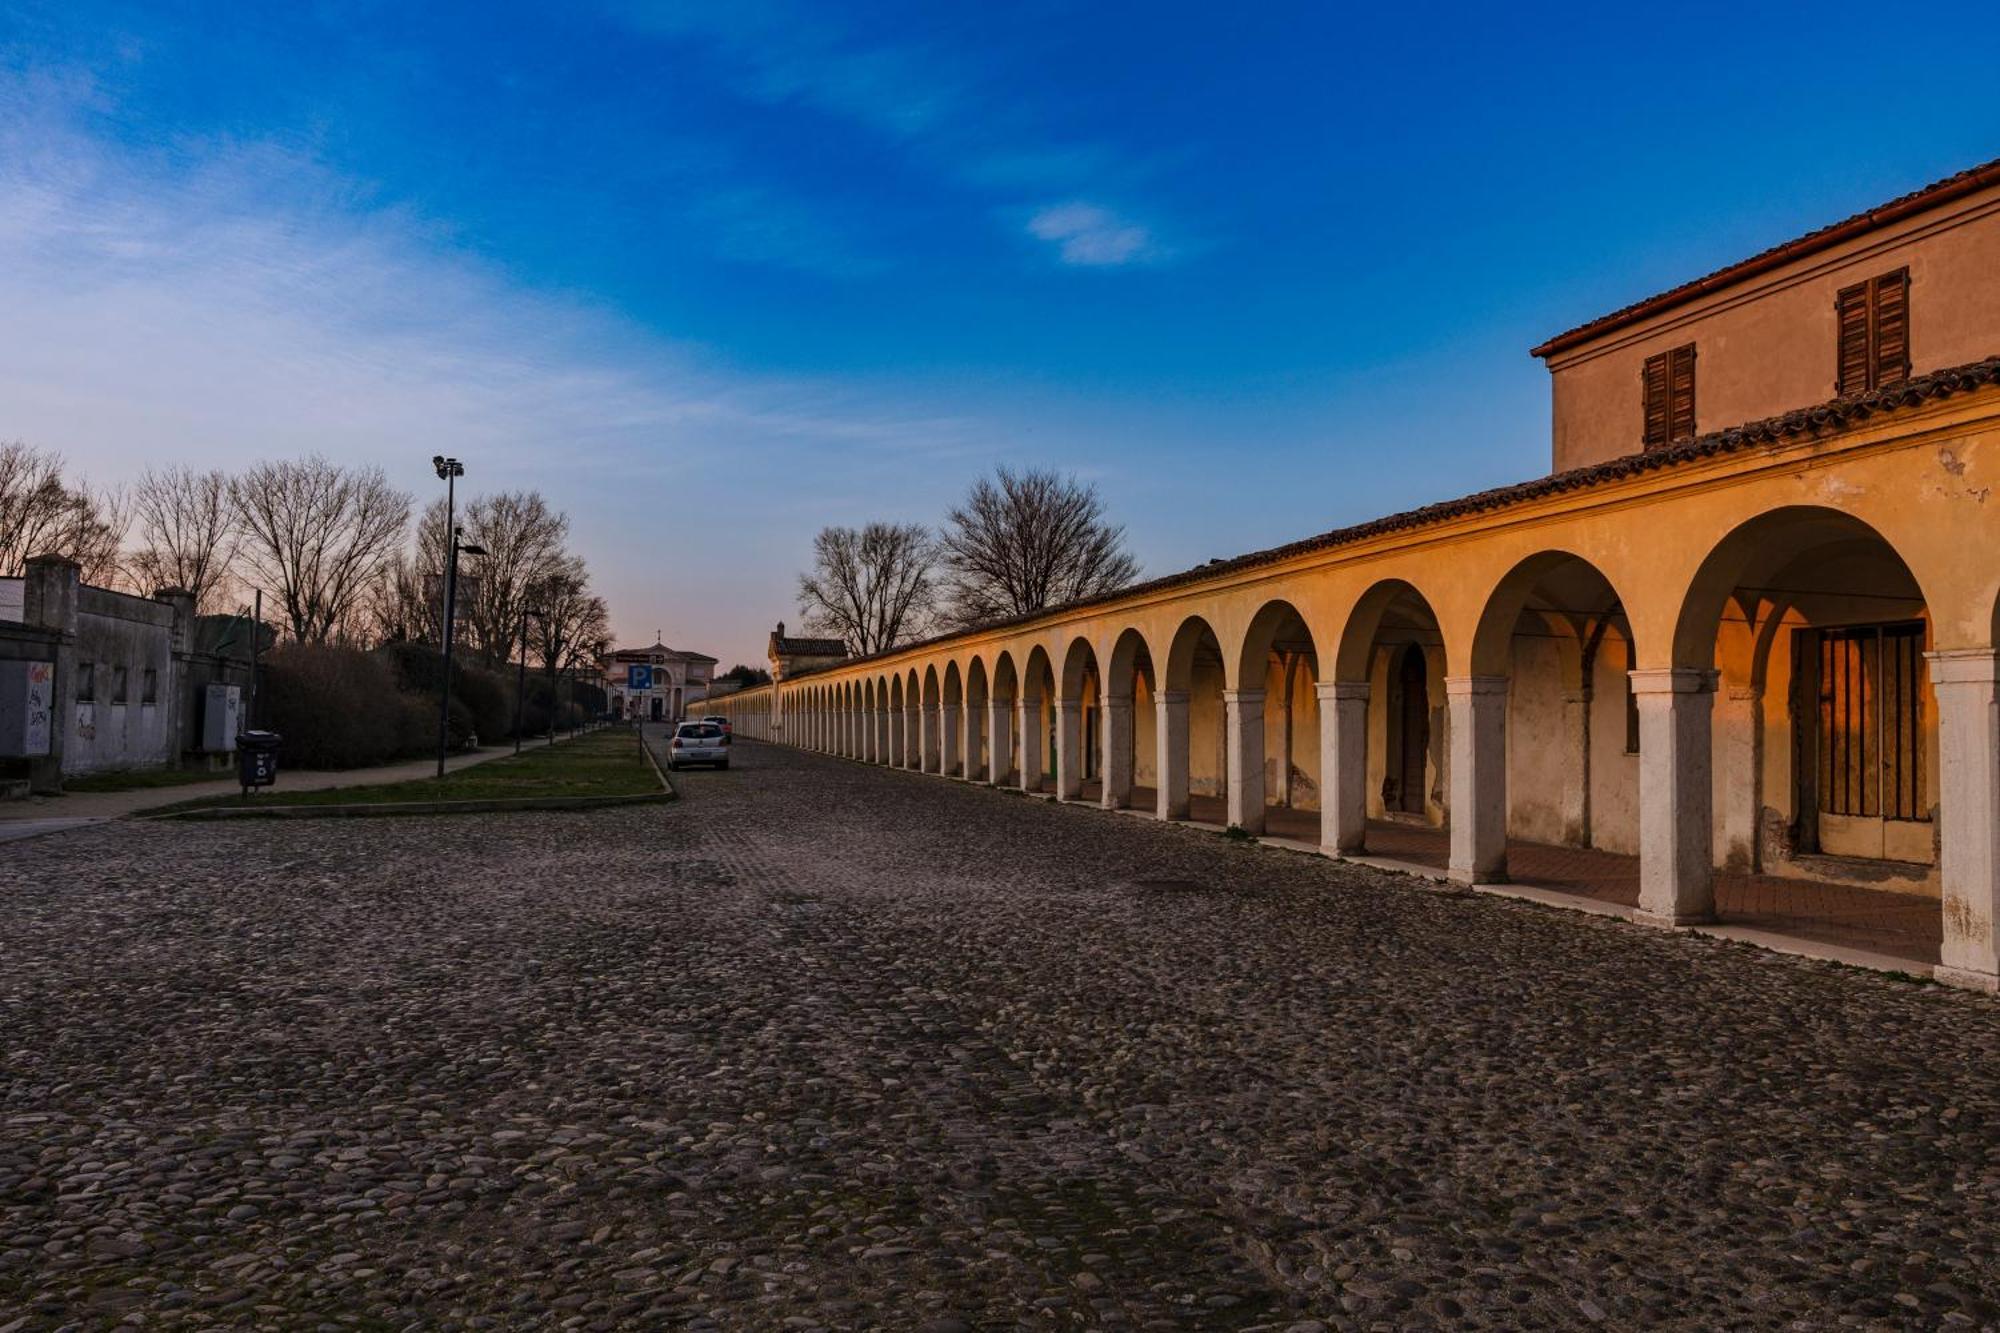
[1966, 182]
[1820, 419]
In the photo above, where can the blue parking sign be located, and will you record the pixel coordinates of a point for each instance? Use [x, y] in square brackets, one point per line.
[638, 677]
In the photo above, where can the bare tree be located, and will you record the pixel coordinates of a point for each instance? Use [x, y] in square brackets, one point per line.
[187, 530]
[872, 586]
[316, 537]
[1026, 541]
[573, 630]
[523, 539]
[400, 607]
[42, 514]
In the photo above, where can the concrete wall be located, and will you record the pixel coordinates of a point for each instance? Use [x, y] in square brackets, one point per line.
[1767, 345]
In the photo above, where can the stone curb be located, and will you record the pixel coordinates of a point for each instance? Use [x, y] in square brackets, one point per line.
[491, 805]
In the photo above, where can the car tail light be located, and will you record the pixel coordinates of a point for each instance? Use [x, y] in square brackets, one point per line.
[677, 742]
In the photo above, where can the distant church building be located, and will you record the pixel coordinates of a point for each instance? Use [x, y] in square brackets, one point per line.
[656, 684]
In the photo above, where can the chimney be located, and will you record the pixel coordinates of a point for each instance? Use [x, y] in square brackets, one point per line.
[781, 629]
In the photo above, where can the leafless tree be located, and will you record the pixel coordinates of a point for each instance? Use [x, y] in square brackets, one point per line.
[188, 534]
[43, 514]
[1025, 541]
[523, 539]
[871, 586]
[316, 537]
[573, 629]
[400, 606]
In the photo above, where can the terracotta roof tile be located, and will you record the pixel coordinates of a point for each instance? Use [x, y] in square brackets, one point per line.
[1824, 418]
[1938, 192]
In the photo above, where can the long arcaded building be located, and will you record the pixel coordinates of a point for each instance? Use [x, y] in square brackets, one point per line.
[1743, 633]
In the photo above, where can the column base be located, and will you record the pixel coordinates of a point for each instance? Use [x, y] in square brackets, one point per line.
[1965, 978]
[1460, 875]
[1671, 920]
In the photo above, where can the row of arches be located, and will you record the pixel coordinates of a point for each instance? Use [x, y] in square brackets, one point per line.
[1781, 711]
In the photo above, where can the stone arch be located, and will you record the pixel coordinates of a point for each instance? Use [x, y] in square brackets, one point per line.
[951, 721]
[1035, 739]
[1189, 719]
[1079, 692]
[899, 738]
[1126, 736]
[1793, 700]
[978, 744]
[931, 752]
[1272, 722]
[1545, 757]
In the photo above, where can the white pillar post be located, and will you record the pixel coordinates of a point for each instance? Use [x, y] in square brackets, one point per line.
[998, 717]
[1117, 731]
[948, 735]
[1742, 774]
[882, 753]
[1676, 795]
[1028, 731]
[1967, 686]
[1069, 749]
[927, 756]
[913, 738]
[1343, 766]
[1244, 710]
[1478, 709]
[1170, 724]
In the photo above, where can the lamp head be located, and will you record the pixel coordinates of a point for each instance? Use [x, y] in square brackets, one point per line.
[471, 548]
[447, 467]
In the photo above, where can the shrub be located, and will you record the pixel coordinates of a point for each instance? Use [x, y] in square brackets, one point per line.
[335, 707]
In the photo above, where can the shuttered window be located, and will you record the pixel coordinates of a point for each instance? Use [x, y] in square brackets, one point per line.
[1668, 379]
[1874, 320]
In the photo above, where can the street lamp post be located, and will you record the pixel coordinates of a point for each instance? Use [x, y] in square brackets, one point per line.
[521, 678]
[449, 470]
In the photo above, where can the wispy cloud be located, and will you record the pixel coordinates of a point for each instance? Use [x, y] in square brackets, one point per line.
[1092, 237]
[216, 303]
[933, 102]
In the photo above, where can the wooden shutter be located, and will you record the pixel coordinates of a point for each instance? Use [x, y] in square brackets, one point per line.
[1654, 378]
[1680, 393]
[1851, 312]
[1892, 329]
[1668, 382]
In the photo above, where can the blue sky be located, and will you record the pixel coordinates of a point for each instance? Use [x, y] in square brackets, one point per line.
[714, 275]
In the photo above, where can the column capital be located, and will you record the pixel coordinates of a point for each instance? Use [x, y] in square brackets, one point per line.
[1112, 703]
[1171, 697]
[1243, 696]
[1475, 685]
[1335, 690]
[1673, 680]
[1963, 666]
[1068, 705]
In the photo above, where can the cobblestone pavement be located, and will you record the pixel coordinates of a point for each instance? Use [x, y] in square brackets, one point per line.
[831, 1046]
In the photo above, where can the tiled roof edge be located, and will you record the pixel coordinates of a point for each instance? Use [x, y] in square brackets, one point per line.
[1969, 181]
[1837, 414]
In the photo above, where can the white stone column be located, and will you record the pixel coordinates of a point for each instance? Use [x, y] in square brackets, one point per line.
[1742, 774]
[1343, 766]
[971, 761]
[1117, 739]
[1967, 686]
[1575, 743]
[948, 735]
[927, 754]
[998, 717]
[913, 738]
[1170, 723]
[1028, 733]
[1478, 708]
[883, 754]
[1676, 795]
[1244, 710]
[1069, 749]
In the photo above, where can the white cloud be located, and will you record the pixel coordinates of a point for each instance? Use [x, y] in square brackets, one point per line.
[1088, 235]
[220, 303]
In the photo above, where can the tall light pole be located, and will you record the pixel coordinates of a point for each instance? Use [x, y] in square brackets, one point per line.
[449, 470]
[521, 679]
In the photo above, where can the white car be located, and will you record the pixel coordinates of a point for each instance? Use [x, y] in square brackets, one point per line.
[698, 743]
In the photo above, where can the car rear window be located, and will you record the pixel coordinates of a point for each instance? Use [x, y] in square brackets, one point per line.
[700, 731]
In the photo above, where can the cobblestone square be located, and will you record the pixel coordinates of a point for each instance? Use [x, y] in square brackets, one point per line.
[831, 1046]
